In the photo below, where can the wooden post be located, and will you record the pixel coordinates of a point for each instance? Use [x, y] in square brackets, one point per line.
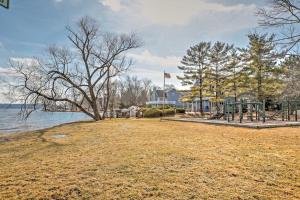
[289, 111]
[264, 111]
[233, 111]
[255, 107]
[282, 111]
[224, 110]
[251, 112]
[259, 106]
[241, 110]
[228, 117]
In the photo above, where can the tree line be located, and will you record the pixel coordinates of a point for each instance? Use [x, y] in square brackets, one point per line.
[268, 68]
[221, 70]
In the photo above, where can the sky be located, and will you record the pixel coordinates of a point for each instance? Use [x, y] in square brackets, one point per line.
[167, 27]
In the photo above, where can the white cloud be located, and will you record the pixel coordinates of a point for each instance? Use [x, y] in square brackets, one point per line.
[152, 67]
[173, 12]
[58, 1]
[114, 5]
[25, 61]
[7, 72]
[170, 12]
[147, 57]
[1, 45]
[156, 76]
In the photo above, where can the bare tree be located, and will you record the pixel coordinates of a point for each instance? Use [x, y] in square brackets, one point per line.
[81, 75]
[284, 14]
[134, 91]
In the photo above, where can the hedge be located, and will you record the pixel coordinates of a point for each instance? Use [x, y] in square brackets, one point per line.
[169, 111]
[151, 112]
[155, 112]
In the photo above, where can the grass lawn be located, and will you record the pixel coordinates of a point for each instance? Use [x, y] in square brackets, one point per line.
[149, 159]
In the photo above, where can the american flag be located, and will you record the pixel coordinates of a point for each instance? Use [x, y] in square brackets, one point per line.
[167, 75]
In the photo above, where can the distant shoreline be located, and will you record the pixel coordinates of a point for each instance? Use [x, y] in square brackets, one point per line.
[4, 135]
[12, 122]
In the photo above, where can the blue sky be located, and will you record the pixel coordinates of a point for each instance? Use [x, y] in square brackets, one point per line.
[167, 27]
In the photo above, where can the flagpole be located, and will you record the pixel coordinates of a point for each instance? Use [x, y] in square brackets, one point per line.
[163, 113]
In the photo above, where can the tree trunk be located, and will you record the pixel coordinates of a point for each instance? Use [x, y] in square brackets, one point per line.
[217, 90]
[201, 99]
[108, 94]
[201, 90]
[259, 85]
[97, 116]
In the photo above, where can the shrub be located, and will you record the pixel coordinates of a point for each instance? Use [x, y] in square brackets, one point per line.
[151, 112]
[169, 111]
[143, 109]
[156, 112]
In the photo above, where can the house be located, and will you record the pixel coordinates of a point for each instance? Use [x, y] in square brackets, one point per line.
[172, 97]
[206, 103]
[209, 103]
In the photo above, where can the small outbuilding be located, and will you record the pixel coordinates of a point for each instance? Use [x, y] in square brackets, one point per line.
[133, 111]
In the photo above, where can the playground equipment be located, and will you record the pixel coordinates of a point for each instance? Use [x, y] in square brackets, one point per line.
[289, 108]
[255, 110]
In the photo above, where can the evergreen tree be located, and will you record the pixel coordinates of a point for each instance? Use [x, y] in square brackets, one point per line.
[234, 75]
[291, 66]
[194, 67]
[219, 58]
[260, 66]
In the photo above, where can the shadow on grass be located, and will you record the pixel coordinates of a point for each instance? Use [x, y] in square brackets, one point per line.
[49, 144]
[27, 147]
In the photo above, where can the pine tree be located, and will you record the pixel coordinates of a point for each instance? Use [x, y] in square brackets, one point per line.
[194, 67]
[219, 58]
[291, 66]
[260, 66]
[234, 83]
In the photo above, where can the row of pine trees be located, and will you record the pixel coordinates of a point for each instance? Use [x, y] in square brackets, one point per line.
[221, 70]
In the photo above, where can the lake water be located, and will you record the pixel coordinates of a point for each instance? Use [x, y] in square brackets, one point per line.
[11, 122]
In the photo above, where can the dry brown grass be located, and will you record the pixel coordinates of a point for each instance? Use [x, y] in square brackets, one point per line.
[148, 159]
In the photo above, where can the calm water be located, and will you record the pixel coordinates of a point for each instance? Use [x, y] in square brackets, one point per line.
[10, 121]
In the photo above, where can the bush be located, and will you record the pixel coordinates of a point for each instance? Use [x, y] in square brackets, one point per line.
[169, 111]
[157, 112]
[151, 112]
[143, 109]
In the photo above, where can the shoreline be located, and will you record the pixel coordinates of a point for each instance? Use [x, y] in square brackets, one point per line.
[6, 135]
